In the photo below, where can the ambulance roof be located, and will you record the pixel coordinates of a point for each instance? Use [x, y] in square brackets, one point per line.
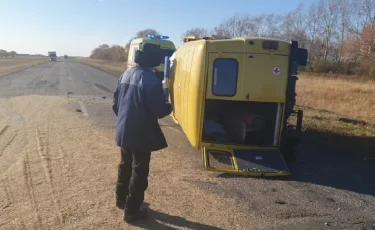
[160, 40]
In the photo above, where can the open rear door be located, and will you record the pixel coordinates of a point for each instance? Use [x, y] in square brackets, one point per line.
[251, 162]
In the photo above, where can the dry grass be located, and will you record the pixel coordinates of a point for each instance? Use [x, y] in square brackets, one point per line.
[330, 123]
[116, 68]
[11, 65]
[326, 101]
[347, 98]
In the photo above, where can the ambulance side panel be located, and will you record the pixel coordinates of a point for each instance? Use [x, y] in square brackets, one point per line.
[196, 94]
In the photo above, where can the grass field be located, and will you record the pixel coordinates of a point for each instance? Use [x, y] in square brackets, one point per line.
[345, 97]
[8, 65]
[338, 114]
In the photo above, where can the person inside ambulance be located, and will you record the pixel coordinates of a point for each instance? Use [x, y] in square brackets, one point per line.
[138, 103]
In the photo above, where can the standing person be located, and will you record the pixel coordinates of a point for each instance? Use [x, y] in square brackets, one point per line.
[139, 101]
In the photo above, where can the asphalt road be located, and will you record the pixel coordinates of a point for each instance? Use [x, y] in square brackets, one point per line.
[61, 77]
[326, 191]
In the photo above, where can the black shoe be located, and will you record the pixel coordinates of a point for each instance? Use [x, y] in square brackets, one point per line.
[142, 214]
[120, 204]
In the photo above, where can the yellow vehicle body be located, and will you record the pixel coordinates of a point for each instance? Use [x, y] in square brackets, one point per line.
[261, 78]
[164, 44]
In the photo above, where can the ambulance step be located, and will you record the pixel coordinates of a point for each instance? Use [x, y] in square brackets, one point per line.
[265, 161]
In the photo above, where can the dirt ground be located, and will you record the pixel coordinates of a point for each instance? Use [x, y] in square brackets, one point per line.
[58, 171]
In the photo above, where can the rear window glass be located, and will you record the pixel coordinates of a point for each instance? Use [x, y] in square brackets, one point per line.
[225, 77]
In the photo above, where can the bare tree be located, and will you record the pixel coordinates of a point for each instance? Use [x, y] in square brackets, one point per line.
[313, 20]
[104, 52]
[362, 14]
[104, 46]
[143, 33]
[361, 28]
[13, 53]
[198, 31]
[266, 25]
[257, 25]
[328, 24]
[3, 53]
[337, 33]
[222, 31]
[237, 25]
[296, 24]
[342, 25]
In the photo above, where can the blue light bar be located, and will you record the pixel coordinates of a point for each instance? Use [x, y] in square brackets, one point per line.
[151, 36]
[164, 37]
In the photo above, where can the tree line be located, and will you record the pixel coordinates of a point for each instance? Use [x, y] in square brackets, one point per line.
[6, 54]
[105, 52]
[339, 34]
[12, 54]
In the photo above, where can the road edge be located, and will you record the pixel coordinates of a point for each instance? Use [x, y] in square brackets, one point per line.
[19, 70]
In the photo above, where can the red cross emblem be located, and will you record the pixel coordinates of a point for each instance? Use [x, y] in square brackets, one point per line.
[276, 71]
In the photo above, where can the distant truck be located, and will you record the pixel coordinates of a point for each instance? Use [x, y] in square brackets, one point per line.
[65, 56]
[52, 56]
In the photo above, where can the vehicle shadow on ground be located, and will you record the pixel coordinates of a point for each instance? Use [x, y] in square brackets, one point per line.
[333, 160]
[158, 220]
[338, 161]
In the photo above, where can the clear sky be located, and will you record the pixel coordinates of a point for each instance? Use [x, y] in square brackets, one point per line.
[76, 27]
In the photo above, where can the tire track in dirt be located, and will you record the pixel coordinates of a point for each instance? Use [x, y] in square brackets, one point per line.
[8, 143]
[3, 129]
[65, 160]
[8, 194]
[43, 153]
[30, 190]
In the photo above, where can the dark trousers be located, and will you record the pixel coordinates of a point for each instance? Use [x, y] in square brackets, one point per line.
[132, 179]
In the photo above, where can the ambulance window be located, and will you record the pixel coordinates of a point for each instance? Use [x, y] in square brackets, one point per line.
[225, 77]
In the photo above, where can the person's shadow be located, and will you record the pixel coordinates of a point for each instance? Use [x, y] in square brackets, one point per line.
[154, 216]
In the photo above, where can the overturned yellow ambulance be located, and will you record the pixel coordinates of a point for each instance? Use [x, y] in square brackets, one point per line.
[232, 99]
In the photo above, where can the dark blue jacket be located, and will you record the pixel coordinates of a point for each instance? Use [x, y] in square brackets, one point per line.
[138, 103]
